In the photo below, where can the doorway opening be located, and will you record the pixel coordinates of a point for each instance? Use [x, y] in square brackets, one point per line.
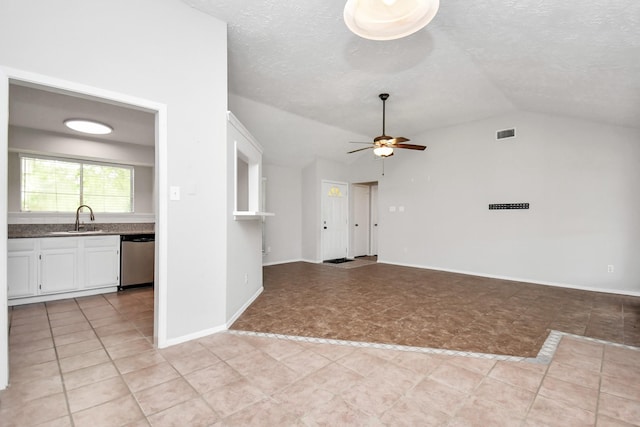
[364, 232]
[9, 77]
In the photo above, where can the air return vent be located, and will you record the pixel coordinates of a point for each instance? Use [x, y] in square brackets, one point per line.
[506, 133]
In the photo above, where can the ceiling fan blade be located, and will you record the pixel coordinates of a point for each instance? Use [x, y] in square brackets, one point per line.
[359, 149]
[399, 139]
[411, 146]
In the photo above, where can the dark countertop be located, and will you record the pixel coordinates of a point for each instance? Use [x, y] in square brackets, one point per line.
[21, 231]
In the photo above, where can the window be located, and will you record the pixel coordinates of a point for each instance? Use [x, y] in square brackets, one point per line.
[50, 184]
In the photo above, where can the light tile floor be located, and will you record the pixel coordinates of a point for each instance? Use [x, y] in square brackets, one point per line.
[90, 362]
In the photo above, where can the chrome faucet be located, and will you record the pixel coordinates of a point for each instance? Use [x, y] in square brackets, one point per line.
[91, 217]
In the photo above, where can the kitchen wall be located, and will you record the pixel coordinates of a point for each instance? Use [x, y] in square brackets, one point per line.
[167, 53]
[38, 141]
[582, 181]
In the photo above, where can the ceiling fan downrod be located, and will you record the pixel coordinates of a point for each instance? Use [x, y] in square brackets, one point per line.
[383, 97]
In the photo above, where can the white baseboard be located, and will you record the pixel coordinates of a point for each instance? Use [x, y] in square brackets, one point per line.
[516, 279]
[287, 261]
[214, 330]
[184, 338]
[244, 307]
[65, 295]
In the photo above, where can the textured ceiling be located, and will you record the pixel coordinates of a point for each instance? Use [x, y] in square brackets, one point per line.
[477, 59]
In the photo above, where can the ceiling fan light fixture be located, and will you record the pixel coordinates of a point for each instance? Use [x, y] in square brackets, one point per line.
[388, 19]
[88, 126]
[383, 151]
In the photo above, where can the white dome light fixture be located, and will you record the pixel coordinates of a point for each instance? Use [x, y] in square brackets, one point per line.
[383, 151]
[388, 19]
[88, 126]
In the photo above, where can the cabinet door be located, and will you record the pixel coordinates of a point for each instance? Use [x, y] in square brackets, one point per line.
[58, 270]
[22, 274]
[102, 267]
[22, 267]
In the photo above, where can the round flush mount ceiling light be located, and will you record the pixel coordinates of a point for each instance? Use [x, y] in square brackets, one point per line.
[383, 151]
[88, 126]
[388, 19]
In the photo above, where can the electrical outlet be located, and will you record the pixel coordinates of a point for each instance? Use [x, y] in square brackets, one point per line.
[246, 279]
[610, 268]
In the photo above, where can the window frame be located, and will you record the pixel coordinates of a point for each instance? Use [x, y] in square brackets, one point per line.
[81, 162]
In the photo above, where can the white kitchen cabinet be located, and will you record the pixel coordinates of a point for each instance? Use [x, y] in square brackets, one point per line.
[22, 268]
[101, 261]
[48, 268]
[59, 265]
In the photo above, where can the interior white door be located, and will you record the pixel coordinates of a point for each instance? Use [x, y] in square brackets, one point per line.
[374, 220]
[335, 220]
[360, 227]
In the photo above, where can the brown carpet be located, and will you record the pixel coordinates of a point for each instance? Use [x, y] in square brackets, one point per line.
[389, 304]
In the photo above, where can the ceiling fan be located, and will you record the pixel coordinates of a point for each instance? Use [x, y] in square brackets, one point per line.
[383, 145]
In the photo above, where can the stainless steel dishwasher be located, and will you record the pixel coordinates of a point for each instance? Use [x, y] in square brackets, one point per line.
[137, 256]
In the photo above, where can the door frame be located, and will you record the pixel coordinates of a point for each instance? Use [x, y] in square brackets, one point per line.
[8, 75]
[331, 181]
[373, 225]
[354, 189]
[373, 230]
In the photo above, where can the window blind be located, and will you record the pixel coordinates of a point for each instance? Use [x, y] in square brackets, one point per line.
[61, 185]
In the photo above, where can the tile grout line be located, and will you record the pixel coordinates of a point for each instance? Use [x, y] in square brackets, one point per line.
[121, 376]
[550, 352]
[146, 417]
[55, 349]
[604, 348]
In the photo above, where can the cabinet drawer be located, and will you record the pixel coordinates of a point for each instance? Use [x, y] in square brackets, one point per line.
[102, 241]
[15, 245]
[59, 243]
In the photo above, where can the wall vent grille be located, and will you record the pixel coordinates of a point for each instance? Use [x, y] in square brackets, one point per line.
[496, 206]
[506, 133]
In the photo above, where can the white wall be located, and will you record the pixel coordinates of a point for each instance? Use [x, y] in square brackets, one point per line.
[310, 213]
[37, 141]
[283, 232]
[289, 139]
[582, 181]
[166, 52]
[244, 237]
[292, 141]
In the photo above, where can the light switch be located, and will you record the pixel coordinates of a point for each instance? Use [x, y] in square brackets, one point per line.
[392, 208]
[174, 192]
[400, 208]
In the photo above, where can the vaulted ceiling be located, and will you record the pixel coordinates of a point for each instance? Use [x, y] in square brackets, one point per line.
[476, 59]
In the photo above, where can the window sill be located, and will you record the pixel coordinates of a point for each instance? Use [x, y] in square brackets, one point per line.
[242, 215]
